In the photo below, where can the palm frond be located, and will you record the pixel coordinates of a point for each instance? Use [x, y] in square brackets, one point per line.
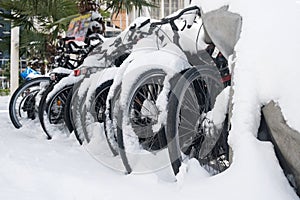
[128, 5]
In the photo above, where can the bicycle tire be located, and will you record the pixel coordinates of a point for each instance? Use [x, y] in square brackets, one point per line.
[142, 113]
[77, 105]
[95, 113]
[42, 108]
[185, 136]
[67, 113]
[71, 112]
[13, 107]
[46, 108]
[110, 121]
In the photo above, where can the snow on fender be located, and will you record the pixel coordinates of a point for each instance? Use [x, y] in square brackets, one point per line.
[171, 60]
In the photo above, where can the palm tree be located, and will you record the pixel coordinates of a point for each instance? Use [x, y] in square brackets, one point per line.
[117, 5]
[42, 20]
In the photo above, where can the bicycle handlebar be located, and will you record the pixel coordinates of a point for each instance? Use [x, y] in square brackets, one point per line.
[67, 38]
[171, 20]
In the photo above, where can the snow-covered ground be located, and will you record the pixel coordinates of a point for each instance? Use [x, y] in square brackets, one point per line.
[267, 68]
[34, 168]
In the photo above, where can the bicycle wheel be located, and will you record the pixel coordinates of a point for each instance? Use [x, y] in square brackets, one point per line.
[77, 112]
[68, 113]
[42, 108]
[110, 120]
[189, 131]
[22, 102]
[96, 111]
[51, 112]
[141, 114]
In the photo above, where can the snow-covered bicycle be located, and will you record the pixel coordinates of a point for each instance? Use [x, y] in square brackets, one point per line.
[52, 107]
[25, 100]
[169, 105]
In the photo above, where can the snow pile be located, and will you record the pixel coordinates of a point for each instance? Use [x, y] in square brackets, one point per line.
[266, 64]
[266, 68]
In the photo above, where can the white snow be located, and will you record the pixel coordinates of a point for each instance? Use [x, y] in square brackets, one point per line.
[102, 76]
[66, 81]
[33, 168]
[219, 111]
[267, 48]
[62, 70]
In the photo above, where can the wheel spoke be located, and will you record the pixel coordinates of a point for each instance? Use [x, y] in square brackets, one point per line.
[143, 112]
[196, 93]
[187, 121]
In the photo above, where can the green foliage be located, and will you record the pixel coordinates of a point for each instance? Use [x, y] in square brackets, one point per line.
[4, 92]
[6, 70]
[128, 5]
[40, 20]
[27, 13]
[33, 43]
[105, 14]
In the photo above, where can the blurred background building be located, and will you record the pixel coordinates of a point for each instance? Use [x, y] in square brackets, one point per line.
[163, 9]
[166, 7]
[4, 51]
[4, 35]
